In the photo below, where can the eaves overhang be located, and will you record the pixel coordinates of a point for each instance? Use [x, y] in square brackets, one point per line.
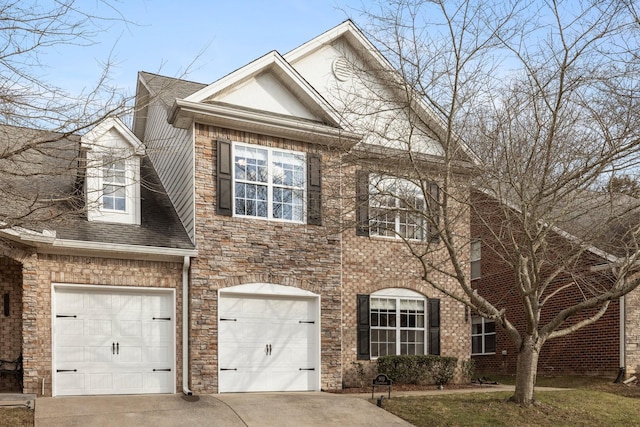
[184, 113]
[47, 242]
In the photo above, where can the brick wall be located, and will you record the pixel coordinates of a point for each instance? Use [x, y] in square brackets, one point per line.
[374, 263]
[11, 325]
[235, 251]
[41, 271]
[591, 350]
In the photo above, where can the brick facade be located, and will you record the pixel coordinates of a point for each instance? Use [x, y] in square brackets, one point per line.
[234, 251]
[374, 263]
[40, 271]
[592, 350]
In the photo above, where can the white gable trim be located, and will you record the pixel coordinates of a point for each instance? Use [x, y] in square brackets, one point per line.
[275, 63]
[105, 126]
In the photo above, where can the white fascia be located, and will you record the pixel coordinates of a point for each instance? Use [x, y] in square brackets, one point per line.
[47, 242]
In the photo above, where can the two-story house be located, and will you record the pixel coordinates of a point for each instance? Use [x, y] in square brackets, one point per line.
[291, 266]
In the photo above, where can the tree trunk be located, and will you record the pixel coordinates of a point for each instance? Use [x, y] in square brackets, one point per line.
[527, 370]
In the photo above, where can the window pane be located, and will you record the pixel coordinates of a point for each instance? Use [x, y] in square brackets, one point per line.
[476, 344]
[489, 326]
[490, 344]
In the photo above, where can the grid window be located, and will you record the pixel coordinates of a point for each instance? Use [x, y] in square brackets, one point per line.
[483, 335]
[269, 183]
[114, 194]
[397, 326]
[397, 209]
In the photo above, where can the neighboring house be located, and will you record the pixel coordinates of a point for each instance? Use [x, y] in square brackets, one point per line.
[300, 278]
[602, 348]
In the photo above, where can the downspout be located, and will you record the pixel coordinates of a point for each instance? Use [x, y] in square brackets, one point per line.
[622, 331]
[185, 326]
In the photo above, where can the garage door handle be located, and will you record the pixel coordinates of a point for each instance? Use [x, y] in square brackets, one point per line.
[65, 315]
[117, 348]
[306, 369]
[162, 370]
[113, 348]
[228, 369]
[162, 318]
[66, 370]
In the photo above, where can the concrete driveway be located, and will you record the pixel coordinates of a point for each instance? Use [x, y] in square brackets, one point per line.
[236, 409]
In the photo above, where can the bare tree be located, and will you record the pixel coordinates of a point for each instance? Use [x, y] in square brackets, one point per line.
[542, 99]
[40, 123]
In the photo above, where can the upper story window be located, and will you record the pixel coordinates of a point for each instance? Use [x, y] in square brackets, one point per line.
[483, 335]
[270, 183]
[114, 185]
[395, 207]
[475, 257]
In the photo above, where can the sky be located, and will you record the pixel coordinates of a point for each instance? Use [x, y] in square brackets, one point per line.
[207, 39]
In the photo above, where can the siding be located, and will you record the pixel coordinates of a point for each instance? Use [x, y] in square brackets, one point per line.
[171, 151]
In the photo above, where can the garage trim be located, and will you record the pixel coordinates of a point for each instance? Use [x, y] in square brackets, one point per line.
[103, 288]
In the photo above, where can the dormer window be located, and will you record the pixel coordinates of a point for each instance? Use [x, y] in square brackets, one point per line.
[114, 190]
[112, 187]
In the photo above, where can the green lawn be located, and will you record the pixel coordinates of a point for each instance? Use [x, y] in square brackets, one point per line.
[593, 402]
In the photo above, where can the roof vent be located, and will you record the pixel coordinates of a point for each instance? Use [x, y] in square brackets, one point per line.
[341, 69]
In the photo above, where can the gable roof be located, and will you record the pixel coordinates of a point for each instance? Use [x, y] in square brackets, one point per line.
[349, 32]
[265, 96]
[274, 65]
[116, 124]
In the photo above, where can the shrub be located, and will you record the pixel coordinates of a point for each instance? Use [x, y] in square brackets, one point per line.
[468, 369]
[414, 369]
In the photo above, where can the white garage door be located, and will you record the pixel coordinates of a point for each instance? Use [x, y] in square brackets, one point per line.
[268, 343]
[113, 341]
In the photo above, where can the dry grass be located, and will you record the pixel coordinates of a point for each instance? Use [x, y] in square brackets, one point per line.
[16, 417]
[593, 402]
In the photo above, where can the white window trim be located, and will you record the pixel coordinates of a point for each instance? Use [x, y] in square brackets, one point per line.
[270, 185]
[472, 259]
[95, 188]
[374, 191]
[483, 335]
[397, 295]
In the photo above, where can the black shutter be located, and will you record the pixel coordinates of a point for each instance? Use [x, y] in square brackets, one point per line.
[433, 204]
[314, 194]
[364, 352]
[434, 326]
[224, 178]
[362, 203]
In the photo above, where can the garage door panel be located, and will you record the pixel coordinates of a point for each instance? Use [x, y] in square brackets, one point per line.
[113, 343]
[266, 341]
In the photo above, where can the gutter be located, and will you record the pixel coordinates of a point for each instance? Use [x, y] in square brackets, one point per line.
[185, 326]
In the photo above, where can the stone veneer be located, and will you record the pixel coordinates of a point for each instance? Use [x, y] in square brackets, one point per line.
[234, 251]
[632, 332]
[11, 325]
[41, 271]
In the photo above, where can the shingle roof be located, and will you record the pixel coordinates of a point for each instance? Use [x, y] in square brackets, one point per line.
[46, 175]
[168, 89]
